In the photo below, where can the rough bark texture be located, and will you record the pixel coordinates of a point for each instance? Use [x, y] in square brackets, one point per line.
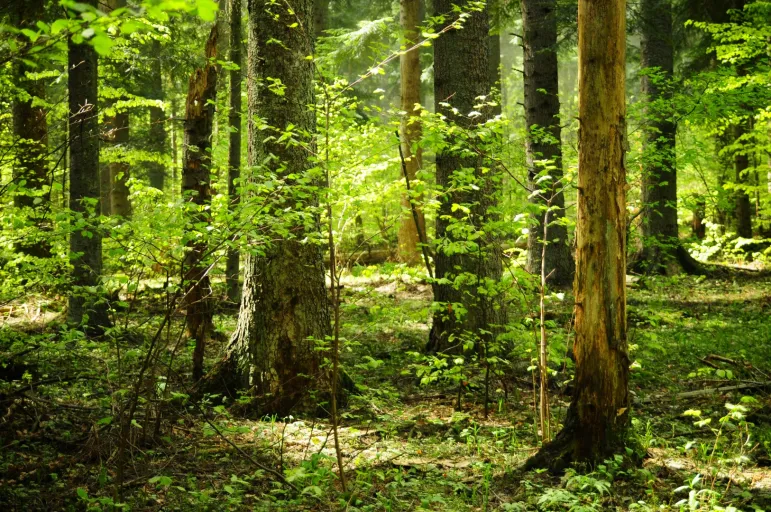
[542, 108]
[461, 74]
[196, 188]
[85, 244]
[659, 176]
[596, 422]
[234, 150]
[284, 302]
[410, 131]
[158, 138]
[320, 17]
[742, 206]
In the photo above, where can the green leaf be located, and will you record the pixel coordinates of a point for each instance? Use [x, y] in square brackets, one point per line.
[102, 44]
[82, 494]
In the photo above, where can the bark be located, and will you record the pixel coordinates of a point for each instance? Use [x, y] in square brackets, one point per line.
[410, 132]
[284, 306]
[659, 176]
[598, 416]
[196, 188]
[158, 138]
[461, 74]
[742, 206]
[542, 108]
[30, 130]
[234, 150]
[117, 133]
[85, 244]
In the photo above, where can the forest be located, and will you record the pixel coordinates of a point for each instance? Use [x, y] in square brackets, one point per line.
[351, 255]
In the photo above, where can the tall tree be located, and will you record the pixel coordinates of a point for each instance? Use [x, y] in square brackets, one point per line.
[659, 174]
[284, 306]
[741, 163]
[320, 17]
[158, 136]
[598, 416]
[410, 130]
[196, 188]
[86, 242]
[234, 150]
[542, 109]
[30, 130]
[117, 133]
[461, 75]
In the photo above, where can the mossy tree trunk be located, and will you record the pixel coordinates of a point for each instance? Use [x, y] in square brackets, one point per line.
[597, 419]
[461, 75]
[542, 109]
[196, 189]
[410, 132]
[84, 307]
[284, 305]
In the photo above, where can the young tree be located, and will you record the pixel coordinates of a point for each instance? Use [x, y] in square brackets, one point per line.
[284, 306]
[196, 188]
[741, 162]
[234, 149]
[86, 242]
[461, 75]
[596, 422]
[542, 109]
[410, 130]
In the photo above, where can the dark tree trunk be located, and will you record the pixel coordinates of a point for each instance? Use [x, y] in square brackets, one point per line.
[320, 17]
[461, 74]
[598, 417]
[196, 188]
[30, 130]
[742, 206]
[117, 133]
[410, 132]
[158, 138]
[659, 176]
[284, 306]
[234, 151]
[86, 243]
[542, 109]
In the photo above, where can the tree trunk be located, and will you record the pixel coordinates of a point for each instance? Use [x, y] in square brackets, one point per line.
[320, 17]
[30, 130]
[196, 188]
[410, 131]
[117, 133]
[461, 74]
[85, 244]
[598, 416]
[659, 176]
[117, 128]
[234, 151]
[742, 207]
[158, 138]
[542, 109]
[284, 306]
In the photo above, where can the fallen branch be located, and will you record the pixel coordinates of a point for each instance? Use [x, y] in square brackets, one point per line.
[711, 391]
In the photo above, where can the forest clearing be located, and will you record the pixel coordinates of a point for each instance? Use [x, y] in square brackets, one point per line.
[405, 255]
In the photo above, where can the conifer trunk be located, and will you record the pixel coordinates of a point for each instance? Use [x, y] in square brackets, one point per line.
[234, 150]
[410, 132]
[461, 74]
[85, 244]
[284, 305]
[196, 188]
[659, 176]
[542, 109]
[598, 416]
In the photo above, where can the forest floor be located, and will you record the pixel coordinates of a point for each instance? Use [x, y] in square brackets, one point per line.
[700, 382]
